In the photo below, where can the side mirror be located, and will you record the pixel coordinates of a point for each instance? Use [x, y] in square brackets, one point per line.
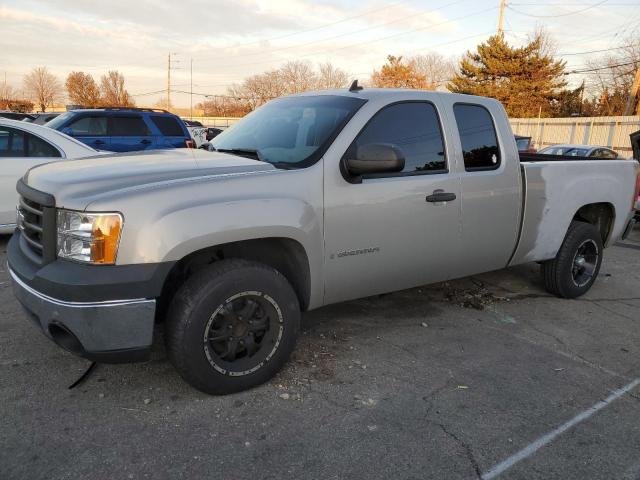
[376, 158]
[67, 131]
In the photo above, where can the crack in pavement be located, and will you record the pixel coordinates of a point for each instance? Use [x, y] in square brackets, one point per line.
[466, 447]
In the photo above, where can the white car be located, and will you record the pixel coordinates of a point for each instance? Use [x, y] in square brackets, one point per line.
[22, 146]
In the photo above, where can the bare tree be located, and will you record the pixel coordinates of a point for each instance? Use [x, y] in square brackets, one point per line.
[297, 76]
[611, 86]
[330, 76]
[162, 103]
[82, 89]
[43, 87]
[436, 69]
[6, 91]
[114, 94]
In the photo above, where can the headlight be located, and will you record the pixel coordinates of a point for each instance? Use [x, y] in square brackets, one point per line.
[88, 237]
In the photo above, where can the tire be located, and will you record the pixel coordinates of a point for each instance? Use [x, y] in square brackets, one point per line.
[232, 326]
[577, 264]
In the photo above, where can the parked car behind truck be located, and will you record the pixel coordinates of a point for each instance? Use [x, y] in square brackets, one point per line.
[124, 129]
[310, 200]
[22, 146]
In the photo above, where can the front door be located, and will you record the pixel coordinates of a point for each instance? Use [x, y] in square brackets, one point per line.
[388, 232]
[91, 130]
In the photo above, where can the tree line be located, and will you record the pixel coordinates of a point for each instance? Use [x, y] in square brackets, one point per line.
[44, 90]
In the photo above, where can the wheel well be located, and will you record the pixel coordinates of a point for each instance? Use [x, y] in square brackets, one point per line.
[284, 254]
[600, 215]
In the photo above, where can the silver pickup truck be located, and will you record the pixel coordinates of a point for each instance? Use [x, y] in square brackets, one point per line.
[312, 199]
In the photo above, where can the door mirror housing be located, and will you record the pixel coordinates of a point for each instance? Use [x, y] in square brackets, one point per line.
[67, 131]
[376, 158]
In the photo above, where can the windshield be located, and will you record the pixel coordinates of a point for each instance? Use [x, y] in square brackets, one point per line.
[59, 120]
[570, 151]
[291, 132]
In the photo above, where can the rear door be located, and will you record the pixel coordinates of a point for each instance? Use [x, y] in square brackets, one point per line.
[90, 129]
[130, 133]
[172, 133]
[491, 186]
[385, 233]
[19, 151]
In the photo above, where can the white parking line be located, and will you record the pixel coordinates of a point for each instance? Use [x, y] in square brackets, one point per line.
[542, 441]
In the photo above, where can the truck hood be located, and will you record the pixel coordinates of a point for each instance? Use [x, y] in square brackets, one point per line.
[73, 181]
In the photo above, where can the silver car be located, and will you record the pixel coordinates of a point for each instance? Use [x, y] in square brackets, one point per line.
[592, 151]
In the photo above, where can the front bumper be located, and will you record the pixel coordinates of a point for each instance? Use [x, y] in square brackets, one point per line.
[104, 313]
[113, 331]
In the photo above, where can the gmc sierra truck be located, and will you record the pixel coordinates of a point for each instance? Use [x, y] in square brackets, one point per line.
[312, 199]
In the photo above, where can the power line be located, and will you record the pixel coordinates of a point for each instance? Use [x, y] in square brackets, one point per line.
[591, 51]
[368, 42]
[559, 14]
[364, 14]
[339, 35]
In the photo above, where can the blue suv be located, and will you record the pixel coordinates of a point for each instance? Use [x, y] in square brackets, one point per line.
[124, 129]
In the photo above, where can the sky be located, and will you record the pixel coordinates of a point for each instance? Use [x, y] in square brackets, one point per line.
[229, 40]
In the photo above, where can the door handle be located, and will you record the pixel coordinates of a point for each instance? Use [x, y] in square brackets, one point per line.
[145, 142]
[440, 196]
[98, 142]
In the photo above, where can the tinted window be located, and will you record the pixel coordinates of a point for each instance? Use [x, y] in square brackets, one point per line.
[36, 147]
[89, 126]
[478, 137]
[128, 127]
[414, 128]
[11, 142]
[168, 126]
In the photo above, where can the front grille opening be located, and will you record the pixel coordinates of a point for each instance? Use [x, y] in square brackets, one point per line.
[65, 339]
[31, 224]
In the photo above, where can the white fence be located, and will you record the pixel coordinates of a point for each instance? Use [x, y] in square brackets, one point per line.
[612, 132]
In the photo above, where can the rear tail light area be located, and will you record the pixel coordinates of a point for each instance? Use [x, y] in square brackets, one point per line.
[190, 143]
[636, 194]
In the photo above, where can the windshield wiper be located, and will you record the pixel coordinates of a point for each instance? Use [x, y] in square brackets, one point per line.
[243, 152]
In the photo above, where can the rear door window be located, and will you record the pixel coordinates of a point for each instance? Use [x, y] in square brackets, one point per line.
[129, 126]
[477, 136]
[90, 126]
[168, 126]
[36, 147]
[12, 142]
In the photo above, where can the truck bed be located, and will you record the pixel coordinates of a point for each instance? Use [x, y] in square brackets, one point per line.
[555, 187]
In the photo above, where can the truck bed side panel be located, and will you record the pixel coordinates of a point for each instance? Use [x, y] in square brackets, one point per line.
[556, 190]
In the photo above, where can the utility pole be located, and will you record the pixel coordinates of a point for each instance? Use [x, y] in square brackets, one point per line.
[168, 81]
[503, 4]
[169, 68]
[191, 92]
[634, 96]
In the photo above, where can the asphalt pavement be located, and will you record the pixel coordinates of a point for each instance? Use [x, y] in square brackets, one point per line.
[488, 376]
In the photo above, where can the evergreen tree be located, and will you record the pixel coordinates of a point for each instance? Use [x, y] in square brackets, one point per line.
[527, 80]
